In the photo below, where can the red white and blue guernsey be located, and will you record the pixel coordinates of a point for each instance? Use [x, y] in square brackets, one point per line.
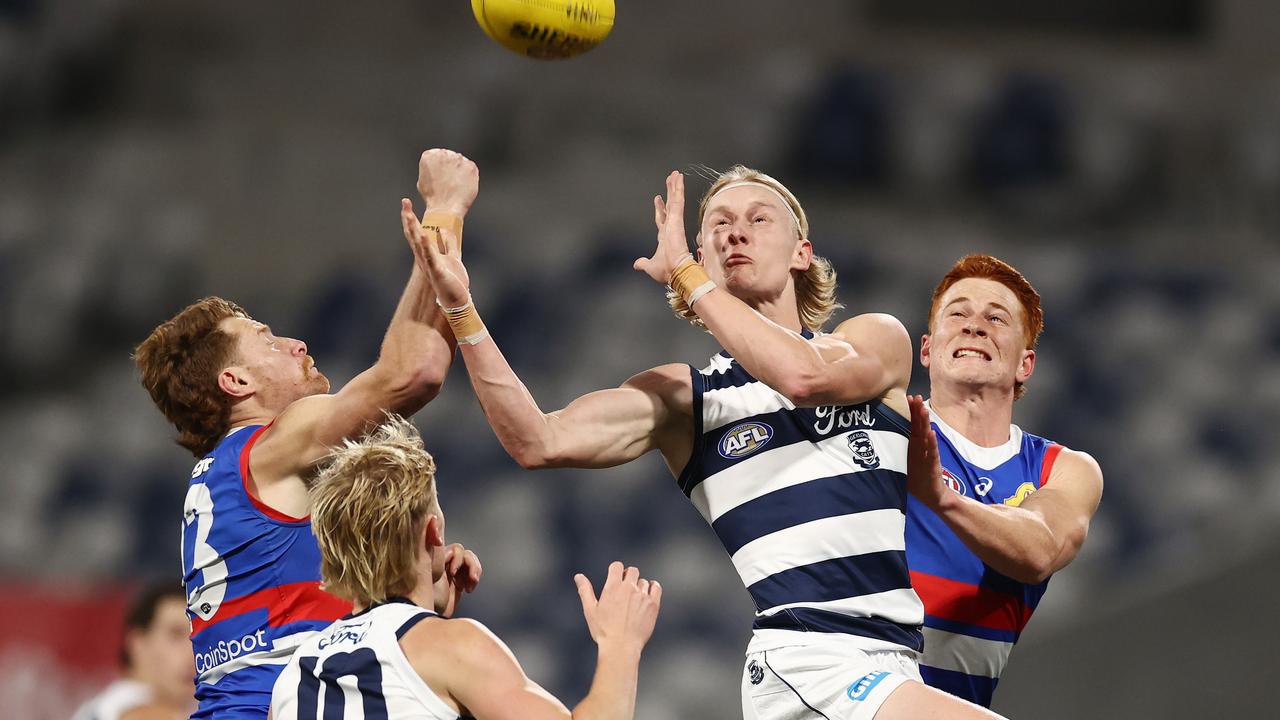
[810, 504]
[252, 576]
[973, 614]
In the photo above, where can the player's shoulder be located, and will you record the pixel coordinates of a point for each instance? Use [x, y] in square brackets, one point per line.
[1076, 464]
[666, 381]
[873, 326]
[438, 645]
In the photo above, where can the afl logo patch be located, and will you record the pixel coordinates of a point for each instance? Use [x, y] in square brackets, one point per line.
[953, 482]
[744, 439]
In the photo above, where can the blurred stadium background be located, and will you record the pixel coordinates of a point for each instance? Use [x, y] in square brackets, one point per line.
[1125, 155]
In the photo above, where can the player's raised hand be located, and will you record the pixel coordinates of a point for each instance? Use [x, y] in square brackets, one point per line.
[461, 574]
[442, 264]
[625, 613]
[924, 468]
[447, 181]
[673, 246]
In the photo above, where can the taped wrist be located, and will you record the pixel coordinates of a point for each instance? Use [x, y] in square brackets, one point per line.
[690, 281]
[433, 221]
[465, 322]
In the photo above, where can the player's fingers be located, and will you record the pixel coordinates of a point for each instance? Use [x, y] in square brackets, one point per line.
[675, 195]
[615, 574]
[586, 594]
[632, 575]
[659, 211]
[655, 591]
[642, 585]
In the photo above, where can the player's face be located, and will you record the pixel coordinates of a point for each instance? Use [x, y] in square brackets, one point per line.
[978, 336]
[162, 655]
[279, 367]
[749, 243]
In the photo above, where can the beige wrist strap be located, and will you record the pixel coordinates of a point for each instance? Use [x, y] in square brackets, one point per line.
[433, 221]
[690, 281]
[465, 322]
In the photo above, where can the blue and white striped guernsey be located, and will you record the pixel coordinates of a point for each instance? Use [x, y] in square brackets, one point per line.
[810, 505]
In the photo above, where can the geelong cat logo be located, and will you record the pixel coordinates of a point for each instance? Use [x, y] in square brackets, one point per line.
[744, 439]
[864, 452]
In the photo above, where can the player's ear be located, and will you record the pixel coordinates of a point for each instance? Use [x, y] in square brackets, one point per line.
[235, 381]
[803, 256]
[1026, 366]
[924, 350]
[433, 534]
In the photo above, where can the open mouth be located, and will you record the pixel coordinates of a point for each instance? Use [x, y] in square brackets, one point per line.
[971, 353]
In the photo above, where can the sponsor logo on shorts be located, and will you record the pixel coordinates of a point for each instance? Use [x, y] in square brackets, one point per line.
[228, 650]
[859, 690]
[756, 672]
[864, 452]
[953, 482]
[744, 439]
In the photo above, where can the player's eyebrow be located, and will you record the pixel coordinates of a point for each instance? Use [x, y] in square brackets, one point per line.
[995, 305]
[752, 206]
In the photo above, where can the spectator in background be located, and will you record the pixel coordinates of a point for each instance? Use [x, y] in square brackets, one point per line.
[157, 662]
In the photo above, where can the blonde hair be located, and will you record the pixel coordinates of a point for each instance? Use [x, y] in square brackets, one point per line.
[815, 287]
[369, 506]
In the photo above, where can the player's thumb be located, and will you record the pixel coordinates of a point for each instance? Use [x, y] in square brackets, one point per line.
[641, 264]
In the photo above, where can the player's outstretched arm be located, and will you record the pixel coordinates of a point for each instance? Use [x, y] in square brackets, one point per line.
[414, 358]
[483, 678]
[601, 429]
[864, 358]
[1028, 542]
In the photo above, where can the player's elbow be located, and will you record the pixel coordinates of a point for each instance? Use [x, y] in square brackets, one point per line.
[415, 388]
[1040, 562]
[803, 389]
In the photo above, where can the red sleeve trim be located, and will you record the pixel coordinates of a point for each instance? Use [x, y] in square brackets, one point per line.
[247, 477]
[1046, 465]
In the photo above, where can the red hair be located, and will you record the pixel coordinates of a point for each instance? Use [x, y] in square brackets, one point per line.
[179, 363]
[987, 267]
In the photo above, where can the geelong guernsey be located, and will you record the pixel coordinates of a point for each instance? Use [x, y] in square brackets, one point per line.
[810, 505]
[355, 669]
[252, 577]
[973, 614]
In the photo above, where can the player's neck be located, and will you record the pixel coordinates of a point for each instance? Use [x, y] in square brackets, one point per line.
[249, 413]
[782, 310]
[981, 414]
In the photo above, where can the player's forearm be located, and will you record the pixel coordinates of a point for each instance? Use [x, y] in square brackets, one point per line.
[613, 691]
[418, 346]
[1013, 541]
[520, 425]
[779, 357]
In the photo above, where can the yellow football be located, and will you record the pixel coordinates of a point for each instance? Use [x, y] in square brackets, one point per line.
[545, 29]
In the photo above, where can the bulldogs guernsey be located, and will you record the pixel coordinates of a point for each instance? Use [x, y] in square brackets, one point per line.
[252, 577]
[810, 504]
[973, 614]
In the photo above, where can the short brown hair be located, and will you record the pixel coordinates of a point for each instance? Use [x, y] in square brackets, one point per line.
[368, 509]
[988, 267]
[815, 287]
[179, 363]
